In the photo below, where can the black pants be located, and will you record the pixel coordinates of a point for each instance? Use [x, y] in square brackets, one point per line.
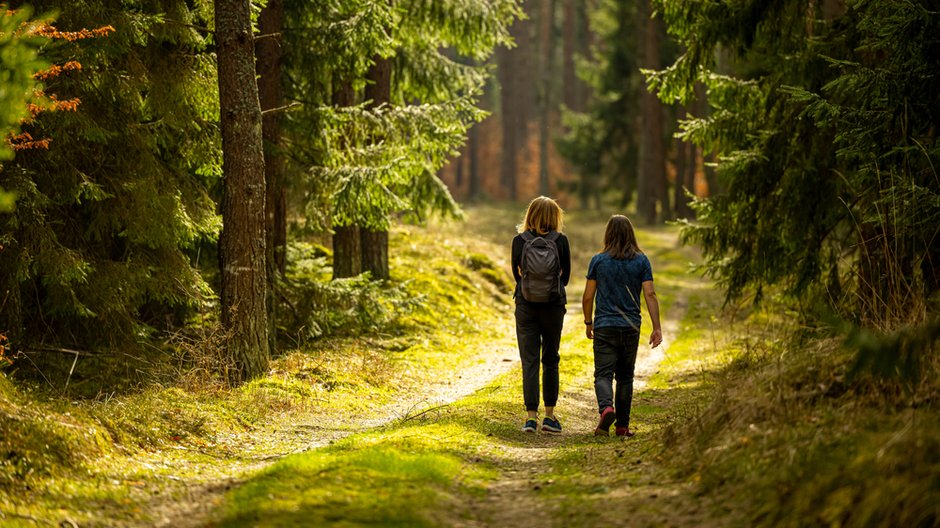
[538, 330]
[615, 357]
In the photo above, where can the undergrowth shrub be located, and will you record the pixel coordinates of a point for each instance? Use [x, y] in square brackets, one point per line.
[795, 434]
[312, 306]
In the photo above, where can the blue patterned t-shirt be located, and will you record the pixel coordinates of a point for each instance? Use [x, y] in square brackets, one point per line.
[619, 285]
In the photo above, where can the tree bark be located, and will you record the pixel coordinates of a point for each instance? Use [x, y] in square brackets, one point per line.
[515, 100]
[270, 93]
[242, 244]
[681, 154]
[11, 314]
[347, 256]
[546, 92]
[651, 175]
[569, 45]
[475, 190]
[374, 243]
[374, 246]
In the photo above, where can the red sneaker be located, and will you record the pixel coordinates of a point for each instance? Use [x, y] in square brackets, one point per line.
[624, 431]
[607, 419]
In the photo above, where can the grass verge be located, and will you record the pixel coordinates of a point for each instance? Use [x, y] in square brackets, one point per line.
[118, 459]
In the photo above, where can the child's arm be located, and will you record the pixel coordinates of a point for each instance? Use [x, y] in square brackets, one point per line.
[653, 306]
[587, 305]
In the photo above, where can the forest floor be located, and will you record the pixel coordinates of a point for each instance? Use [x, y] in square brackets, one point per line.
[407, 430]
[463, 461]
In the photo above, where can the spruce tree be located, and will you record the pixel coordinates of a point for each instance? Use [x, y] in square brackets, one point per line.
[824, 125]
[99, 250]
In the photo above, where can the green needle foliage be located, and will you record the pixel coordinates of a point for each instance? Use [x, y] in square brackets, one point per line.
[98, 249]
[359, 165]
[824, 118]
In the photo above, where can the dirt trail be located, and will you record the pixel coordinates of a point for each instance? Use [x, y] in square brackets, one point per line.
[513, 501]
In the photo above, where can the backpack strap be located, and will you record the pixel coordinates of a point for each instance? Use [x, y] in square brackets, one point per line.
[552, 235]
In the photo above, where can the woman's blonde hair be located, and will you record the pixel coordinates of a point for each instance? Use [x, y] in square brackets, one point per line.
[543, 216]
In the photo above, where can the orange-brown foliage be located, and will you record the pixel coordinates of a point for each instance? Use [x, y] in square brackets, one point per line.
[48, 31]
[57, 70]
[25, 141]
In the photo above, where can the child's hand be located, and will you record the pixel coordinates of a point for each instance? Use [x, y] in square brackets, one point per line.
[656, 338]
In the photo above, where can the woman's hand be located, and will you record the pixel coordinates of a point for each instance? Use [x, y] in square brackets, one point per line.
[656, 338]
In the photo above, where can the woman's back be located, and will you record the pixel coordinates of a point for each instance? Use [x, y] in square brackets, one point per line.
[619, 286]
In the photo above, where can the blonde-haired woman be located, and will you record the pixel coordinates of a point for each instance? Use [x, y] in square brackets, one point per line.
[541, 265]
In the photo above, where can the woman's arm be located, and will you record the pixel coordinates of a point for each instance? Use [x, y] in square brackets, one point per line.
[652, 304]
[587, 304]
[564, 253]
[516, 257]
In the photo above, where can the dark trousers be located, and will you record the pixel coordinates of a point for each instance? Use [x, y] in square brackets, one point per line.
[615, 358]
[538, 330]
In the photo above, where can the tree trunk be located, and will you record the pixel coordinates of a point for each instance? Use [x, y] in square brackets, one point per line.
[11, 314]
[242, 244]
[374, 243]
[547, 67]
[347, 259]
[651, 174]
[473, 153]
[269, 56]
[689, 179]
[347, 253]
[569, 45]
[516, 100]
[374, 246]
[678, 190]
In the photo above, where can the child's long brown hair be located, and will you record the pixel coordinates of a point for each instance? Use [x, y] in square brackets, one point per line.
[620, 238]
[542, 216]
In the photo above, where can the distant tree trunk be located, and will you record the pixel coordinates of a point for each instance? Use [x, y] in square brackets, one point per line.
[708, 158]
[242, 244]
[681, 153]
[374, 243]
[11, 316]
[689, 180]
[270, 93]
[347, 252]
[570, 48]
[475, 190]
[547, 67]
[347, 256]
[651, 174]
[516, 96]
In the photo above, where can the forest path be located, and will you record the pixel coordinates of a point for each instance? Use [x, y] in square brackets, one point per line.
[468, 464]
[517, 499]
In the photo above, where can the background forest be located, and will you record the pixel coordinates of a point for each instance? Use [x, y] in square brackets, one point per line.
[207, 186]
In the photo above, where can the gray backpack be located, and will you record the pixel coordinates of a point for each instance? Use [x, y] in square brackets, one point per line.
[541, 267]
